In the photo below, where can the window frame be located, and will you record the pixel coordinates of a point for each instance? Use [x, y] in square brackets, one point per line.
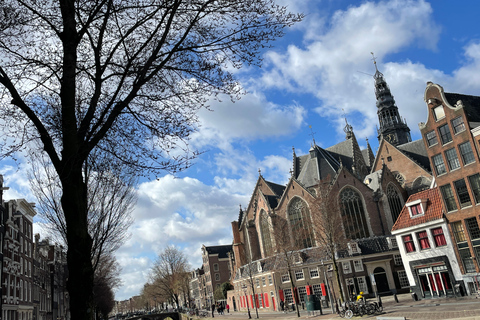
[460, 125]
[445, 134]
[462, 193]
[439, 238]
[431, 138]
[439, 164]
[408, 243]
[449, 200]
[358, 265]
[475, 187]
[423, 241]
[299, 274]
[452, 159]
[438, 115]
[466, 155]
[314, 273]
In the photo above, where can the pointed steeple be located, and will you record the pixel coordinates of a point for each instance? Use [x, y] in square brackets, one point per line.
[370, 155]
[392, 127]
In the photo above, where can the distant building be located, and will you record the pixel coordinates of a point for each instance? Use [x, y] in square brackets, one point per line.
[216, 269]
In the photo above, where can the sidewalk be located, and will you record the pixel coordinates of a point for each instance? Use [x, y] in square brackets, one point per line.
[464, 308]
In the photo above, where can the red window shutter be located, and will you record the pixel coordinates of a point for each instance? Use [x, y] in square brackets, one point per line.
[251, 301]
[280, 294]
[324, 290]
[309, 290]
[256, 301]
[265, 300]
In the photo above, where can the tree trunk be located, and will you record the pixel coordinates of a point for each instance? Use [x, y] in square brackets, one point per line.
[80, 270]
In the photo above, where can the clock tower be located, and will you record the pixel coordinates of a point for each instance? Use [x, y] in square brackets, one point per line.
[393, 128]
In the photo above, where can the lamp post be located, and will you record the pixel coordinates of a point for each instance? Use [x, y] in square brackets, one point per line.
[244, 287]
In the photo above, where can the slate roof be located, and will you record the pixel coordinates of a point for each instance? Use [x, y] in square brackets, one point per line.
[220, 250]
[373, 245]
[433, 211]
[272, 201]
[278, 189]
[471, 105]
[344, 151]
[316, 165]
[416, 151]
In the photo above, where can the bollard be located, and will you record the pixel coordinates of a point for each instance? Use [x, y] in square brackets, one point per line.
[395, 297]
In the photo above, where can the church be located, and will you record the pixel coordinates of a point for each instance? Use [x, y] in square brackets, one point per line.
[368, 193]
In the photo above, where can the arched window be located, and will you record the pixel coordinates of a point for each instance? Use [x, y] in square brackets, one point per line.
[394, 202]
[301, 223]
[265, 230]
[354, 220]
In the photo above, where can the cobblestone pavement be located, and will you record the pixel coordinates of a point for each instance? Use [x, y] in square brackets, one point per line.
[465, 308]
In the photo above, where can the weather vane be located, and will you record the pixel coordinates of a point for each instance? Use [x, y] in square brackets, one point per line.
[312, 134]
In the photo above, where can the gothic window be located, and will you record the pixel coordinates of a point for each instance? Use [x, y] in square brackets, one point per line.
[421, 183]
[265, 230]
[355, 222]
[394, 202]
[301, 223]
[399, 177]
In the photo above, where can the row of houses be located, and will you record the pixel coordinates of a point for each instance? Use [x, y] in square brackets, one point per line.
[33, 271]
[409, 213]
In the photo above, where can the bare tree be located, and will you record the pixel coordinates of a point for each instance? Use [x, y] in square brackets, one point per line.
[328, 224]
[111, 199]
[291, 236]
[124, 78]
[107, 279]
[168, 273]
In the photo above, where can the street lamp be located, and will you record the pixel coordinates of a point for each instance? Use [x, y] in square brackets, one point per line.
[244, 287]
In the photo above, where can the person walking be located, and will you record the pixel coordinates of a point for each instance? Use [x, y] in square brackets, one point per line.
[213, 310]
[282, 306]
[228, 308]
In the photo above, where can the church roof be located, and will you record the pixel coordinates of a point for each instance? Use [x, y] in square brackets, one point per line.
[278, 189]
[433, 210]
[471, 105]
[315, 166]
[416, 151]
[220, 250]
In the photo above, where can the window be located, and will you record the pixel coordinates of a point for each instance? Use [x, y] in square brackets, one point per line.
[270, 280]
[467, 260]
[285, 277]
[439, 237]
[264, 283]
[353, 215]
[452, 159]
[448, 197]
[416, 209]
[302, 292]
[402, 277]
[438, 112]
[423, 240]
[394, 202]
[317, 290]
[458, 232]
[300, 220]
[398, 260]
[314, 272]
[215, 267]
[431, 138]
[475, 186]
[299, 274]
[458, 125]
[265, 232]
[462, 193]
[472, 227]
[445, 134]
[257, 282]
[260, 302]
[394, 242]
[288, 295]
[466, 153]
[437, 161]
[347, 268]
[358, 265]
[217, 276]
[362, 285]
[409, 245]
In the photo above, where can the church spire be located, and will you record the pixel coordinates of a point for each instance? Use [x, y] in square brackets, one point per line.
[392, 127]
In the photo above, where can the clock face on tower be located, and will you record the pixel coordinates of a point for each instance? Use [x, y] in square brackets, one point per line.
[391, 137]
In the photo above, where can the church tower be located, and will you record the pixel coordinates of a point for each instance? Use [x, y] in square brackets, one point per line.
[392, 128]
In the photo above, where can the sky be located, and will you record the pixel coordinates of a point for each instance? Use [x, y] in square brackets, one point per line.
[313, 79]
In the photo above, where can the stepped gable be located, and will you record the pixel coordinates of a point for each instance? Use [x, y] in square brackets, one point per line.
[416, 151]
[316, 165]
[433, 210]
[220, 250]
[471, 104]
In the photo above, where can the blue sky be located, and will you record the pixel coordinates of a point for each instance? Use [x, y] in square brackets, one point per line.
[321, 70]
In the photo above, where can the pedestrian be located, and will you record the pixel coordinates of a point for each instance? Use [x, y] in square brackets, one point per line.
[213, 310]
[228, 308]
[282, 306]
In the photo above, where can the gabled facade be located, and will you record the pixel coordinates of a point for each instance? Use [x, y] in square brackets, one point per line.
[216, 270]
[426, 246]
[451, 135]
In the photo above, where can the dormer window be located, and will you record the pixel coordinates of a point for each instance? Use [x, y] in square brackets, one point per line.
[417, 208]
